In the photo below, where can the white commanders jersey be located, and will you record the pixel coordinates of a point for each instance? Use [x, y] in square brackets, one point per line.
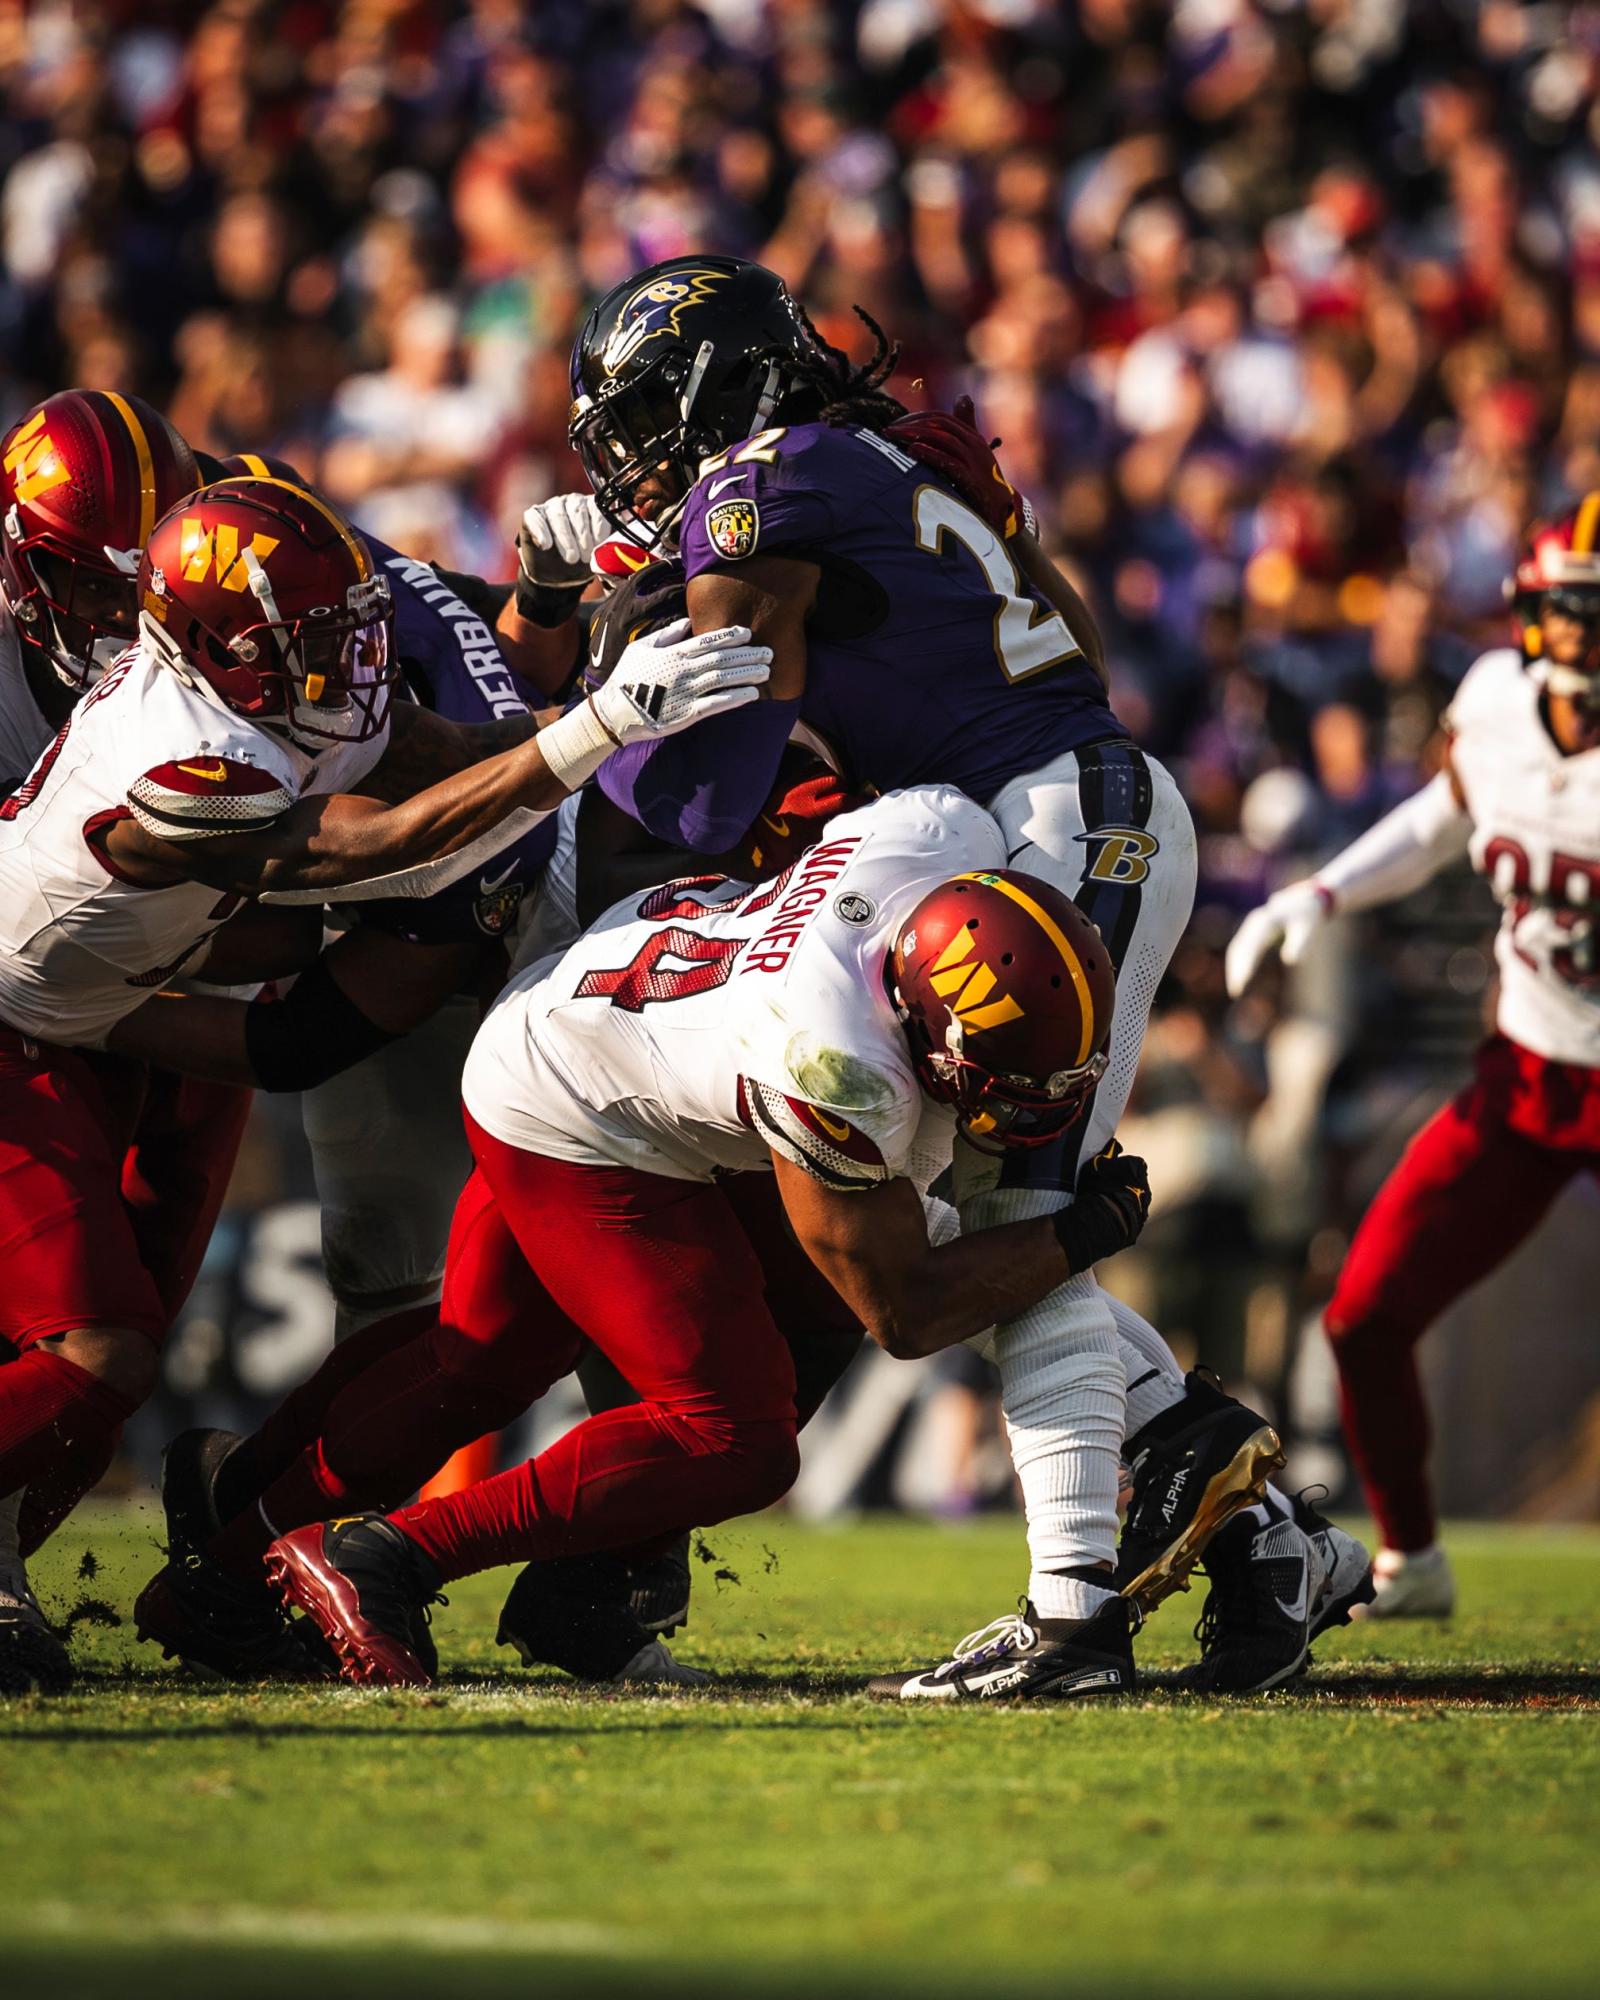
[81, 946]
[24, 732]
[707, 1024]
[1536, 837]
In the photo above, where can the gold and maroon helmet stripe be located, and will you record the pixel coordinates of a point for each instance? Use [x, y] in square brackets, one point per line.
[1585, 524]
[347, 535]
[257, 467]
[1069, 958]
[147, 470]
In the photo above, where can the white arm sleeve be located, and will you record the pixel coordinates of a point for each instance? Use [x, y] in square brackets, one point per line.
[427, 877]
[1405, 849]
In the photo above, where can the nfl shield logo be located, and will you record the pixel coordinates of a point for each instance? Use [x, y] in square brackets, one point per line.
[732, 528]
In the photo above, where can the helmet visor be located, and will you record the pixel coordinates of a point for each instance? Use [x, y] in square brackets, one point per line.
[638, 454]
[343, 677]
[90, 611]
[998, 1113]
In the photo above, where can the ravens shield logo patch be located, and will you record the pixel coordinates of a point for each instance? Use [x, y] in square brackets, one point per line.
[732, 527]
[496, 911]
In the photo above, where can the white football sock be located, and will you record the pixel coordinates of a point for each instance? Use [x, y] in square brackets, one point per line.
[1063, 1394]
[1155, 1381]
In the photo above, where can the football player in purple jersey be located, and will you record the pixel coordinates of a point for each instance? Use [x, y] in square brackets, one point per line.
[920, 639]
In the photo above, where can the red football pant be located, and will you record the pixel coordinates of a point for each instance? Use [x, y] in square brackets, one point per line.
[661, 1277]
[391, 1403]
[111, 1177]
[176, 1172]
[1466, 1192]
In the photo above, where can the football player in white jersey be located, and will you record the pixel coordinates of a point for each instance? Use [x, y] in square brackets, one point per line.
[210, 766]
[838, 1025]
[84, 477]
[1520, 796]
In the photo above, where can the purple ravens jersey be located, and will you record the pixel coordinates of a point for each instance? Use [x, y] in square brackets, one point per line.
[453, 665]
[930, 659]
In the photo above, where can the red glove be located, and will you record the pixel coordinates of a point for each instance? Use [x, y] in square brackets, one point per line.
[951, 444]
[806, 796]
[616, 560]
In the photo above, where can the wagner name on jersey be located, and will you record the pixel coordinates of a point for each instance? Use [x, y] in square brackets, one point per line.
[80, 945]
[1536, 837]
[697, 1027]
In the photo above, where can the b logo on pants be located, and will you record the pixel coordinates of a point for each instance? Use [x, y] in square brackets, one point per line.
[1121, 854]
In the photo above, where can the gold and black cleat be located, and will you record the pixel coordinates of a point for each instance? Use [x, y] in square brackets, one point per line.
[1194, 1467]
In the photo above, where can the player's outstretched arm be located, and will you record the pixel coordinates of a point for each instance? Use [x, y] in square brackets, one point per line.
[663, 683]
[424, 749]
[872, 1246]
[1407, 847]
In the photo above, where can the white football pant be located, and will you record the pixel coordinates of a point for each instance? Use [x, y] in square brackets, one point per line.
[1108, 826]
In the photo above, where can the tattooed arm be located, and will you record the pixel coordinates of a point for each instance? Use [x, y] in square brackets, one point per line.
[424, 750]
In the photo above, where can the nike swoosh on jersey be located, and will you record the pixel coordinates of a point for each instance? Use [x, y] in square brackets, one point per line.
[780, 827]
[212, 773]
[488, 882]
[834, 1131]
[717, 485]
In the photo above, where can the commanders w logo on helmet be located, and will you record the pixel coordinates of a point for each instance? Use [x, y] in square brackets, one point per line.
[1005, 990]
[259, 590]
[84, 478]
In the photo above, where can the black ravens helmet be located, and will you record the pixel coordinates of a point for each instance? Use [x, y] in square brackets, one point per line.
[682, 360]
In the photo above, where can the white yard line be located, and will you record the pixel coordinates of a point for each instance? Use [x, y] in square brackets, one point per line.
[258, 1924]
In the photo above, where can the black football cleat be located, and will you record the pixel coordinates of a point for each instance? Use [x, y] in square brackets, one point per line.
[1255, 1629]
[576, 1613]
[368, 1589]
[658, 1590]
[189, 1468]
[32, 1659]
[1193, 1468]
[1350, 1581]
[218, 1623]
[1024, 1657]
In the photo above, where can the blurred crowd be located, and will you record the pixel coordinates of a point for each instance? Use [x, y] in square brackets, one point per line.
[1287, 312]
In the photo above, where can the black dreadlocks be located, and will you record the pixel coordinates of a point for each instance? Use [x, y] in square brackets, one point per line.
[848, 394]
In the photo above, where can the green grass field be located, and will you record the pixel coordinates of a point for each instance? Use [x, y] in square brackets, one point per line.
[1421, 1815]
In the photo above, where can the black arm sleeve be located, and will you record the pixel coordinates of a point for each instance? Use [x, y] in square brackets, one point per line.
[315, 1031]
[487, 599]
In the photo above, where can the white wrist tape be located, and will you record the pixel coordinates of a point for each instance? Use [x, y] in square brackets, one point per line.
[575, 745]
[1405, 849]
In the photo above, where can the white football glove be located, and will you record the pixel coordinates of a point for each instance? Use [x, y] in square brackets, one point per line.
[1285, 922]
[561, 535]
[554, 545]
[662, 683]
[675, 676]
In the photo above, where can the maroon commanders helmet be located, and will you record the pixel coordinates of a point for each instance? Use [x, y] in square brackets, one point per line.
[86, 476]
[1005, 989]
[261, 590]
[1559, 570]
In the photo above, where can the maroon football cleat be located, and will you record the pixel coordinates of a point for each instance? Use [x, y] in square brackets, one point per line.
[367, 1588]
